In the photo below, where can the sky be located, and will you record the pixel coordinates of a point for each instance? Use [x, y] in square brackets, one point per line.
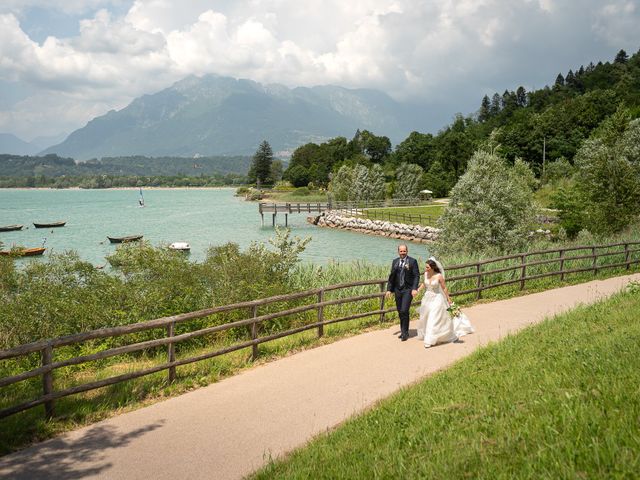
[64, 62]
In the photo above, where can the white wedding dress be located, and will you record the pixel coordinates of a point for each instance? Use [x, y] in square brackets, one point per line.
[435, 324]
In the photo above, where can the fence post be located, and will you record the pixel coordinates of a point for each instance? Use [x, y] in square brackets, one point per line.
[47, 380]
[626, 255]
[254, 334]
[320, 313]
[595, 260]
[171, 351]
[479, 280]
[523, 271]
[562, 265]
[383, 290]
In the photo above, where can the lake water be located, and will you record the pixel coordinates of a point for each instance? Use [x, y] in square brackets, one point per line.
[202, 217]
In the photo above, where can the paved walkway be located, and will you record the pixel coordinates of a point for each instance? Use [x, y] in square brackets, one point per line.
[229, 429]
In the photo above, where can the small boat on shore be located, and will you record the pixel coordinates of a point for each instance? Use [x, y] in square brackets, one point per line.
[180, 247]
[10, 228]
[49, 225]
[128, 238]
[24, 252]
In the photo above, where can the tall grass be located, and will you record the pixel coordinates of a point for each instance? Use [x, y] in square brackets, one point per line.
[558, 400]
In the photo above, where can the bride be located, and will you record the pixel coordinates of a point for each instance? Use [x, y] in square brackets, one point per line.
[435, 324]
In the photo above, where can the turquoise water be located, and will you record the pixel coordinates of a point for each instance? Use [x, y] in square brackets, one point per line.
[204, 217]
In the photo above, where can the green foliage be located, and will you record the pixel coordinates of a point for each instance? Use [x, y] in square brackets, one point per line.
[568, 200]
[438, 180]
[358, 183]
[56, 172]
[555, 172]
[608, 176]
[301, 192]
[408, 181]
[491, 208]
[260, 171]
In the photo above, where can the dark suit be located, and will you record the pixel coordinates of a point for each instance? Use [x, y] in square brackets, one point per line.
[401, 285]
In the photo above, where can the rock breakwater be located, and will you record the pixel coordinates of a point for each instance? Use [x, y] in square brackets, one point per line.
[402, 231]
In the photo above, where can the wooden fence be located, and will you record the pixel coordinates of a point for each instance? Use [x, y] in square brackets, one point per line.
[467, 279]
[408, 218]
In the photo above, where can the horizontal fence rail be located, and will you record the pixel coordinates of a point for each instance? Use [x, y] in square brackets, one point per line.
[408, 218]
[467, 279]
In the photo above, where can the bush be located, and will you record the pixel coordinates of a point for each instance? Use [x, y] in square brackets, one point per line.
[491, 208]
[301, 192]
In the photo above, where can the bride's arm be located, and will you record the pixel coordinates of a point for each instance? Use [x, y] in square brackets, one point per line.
[443, 285]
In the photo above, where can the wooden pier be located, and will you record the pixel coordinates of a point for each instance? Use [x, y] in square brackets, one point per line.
[287, 208]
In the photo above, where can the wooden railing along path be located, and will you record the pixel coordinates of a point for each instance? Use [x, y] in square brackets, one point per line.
[472, 279]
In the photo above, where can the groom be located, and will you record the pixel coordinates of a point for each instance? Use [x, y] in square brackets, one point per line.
[403, 281]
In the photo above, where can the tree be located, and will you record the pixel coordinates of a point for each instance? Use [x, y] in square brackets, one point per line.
[341, 184]
[491, 209]
[276, 171]
[375, 147]
[408, 181]
[608, 176]
[298, 176]
[559, 81]
[260, 171]
[485, 109]
[417, 148]
[521, 97]
[621, 57]
[438, 180]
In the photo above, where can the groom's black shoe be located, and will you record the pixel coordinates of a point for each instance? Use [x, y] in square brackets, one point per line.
[404, 337]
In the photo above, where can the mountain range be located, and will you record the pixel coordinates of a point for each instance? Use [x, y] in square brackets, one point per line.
[216, 115]
[11, 144]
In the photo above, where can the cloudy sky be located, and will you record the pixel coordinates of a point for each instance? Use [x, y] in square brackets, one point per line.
[63, 62]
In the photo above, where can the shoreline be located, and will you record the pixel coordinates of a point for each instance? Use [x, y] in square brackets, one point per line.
[119, 188]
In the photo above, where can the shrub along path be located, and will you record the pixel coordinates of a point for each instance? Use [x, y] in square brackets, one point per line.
[231, 428]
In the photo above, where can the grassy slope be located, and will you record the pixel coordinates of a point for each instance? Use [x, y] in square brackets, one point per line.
[559, 400]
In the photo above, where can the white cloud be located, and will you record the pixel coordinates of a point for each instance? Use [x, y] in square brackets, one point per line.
[440, 51]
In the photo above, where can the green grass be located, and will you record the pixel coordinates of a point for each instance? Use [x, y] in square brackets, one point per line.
[430, 214]
[558, 400]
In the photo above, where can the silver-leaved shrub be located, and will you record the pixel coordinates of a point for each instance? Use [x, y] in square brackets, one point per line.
[491, 209]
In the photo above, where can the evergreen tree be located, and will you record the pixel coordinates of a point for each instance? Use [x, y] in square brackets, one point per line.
[521, 97]
[261, 166]
[559, 81]
[485, 109]
[496, 104]
[621, 57]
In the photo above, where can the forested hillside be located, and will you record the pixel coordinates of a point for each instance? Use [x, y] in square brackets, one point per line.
[52, 170]
[542, 125]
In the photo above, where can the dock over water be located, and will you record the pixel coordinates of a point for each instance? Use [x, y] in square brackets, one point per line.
[287, 208]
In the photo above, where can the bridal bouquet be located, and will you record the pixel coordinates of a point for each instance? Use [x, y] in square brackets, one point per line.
[454, 309]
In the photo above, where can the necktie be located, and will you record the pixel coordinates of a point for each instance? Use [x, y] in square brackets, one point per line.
[401, 276]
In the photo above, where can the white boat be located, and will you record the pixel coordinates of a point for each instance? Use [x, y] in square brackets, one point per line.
[180, 246]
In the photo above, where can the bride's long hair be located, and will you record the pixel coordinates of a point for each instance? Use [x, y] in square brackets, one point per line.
[434, 266]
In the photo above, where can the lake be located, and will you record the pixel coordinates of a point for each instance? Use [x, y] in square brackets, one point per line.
[202, 217]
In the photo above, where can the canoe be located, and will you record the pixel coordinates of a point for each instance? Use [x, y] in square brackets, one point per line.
[10, 228]
[180, 246]
[24, 252]
[49, 225]
[128, 238]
